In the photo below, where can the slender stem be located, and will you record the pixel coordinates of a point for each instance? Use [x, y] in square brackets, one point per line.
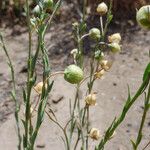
[17, 107]
[72, 115]
[102, 27]
[76, 144]
[87, 128]
[84, 36]
[29, 87]
[109, 18]
[54, 74]
[84, 9]
[57, 123]
[146, 108]
[50, 19]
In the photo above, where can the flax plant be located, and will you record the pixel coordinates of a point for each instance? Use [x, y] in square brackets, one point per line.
[38, 22]
[77, 130]
[80, 115]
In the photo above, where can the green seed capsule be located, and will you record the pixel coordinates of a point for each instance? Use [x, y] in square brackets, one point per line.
[95, 34]
[143, 17]
[73, 74]
[115, 47]
[48, 3]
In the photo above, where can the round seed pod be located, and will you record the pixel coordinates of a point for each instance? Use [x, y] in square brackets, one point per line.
[102, 8]
[95, 34]
[114, 38]
[115, 47]
[91, 100]
[73, 74]
[143, 17]
[47, 4]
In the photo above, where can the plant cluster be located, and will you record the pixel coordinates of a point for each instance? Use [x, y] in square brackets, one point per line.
[77, 130]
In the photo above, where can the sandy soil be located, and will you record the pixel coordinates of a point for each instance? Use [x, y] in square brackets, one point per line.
[112, 92]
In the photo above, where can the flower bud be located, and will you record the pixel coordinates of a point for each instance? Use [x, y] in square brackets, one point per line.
[102, 8]
[143, 16]
[73, 74]
[115, 47]
[91, 99]
[38, 88]
[47, 4]
[94, 134]
[99, 74]
[105, 64]
[115, 38]
[95, 34]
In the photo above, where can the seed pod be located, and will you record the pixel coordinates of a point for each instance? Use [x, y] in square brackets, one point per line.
[95, 34]
[114, 38]
[115, 47]
[38, 88]
[105, 64]
[143, 17]
[73, 74]
[99, 74]
[47, 4]
[102, 8]
[94, 134]
[91, 99]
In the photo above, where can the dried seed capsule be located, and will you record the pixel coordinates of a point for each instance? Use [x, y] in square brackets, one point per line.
[114, 38]
[47, 4]
[94, 134]
[73, 74]
[91, 99]
[115, 47]
[95, 34]
[105, 64]
[99, 74]
[38, 87]
[143, 17]
[102, 8]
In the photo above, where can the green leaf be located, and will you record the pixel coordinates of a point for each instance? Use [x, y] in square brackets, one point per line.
[23, 122]
[128, 99]
[82, 27]
[133, 144]
[147, 72]
[24, 95]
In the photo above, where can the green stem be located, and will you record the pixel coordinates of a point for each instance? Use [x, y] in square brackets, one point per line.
[17, 107]
[146, 108]
[72, 115]
[58, 124]
[84, 9]
[29, 85]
